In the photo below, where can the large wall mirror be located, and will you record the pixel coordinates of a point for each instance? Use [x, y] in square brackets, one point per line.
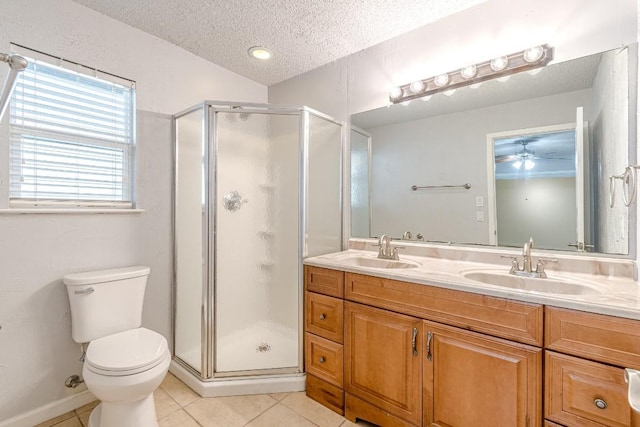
[529, 156]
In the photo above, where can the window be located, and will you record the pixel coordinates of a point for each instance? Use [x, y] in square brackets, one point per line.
[71, 136]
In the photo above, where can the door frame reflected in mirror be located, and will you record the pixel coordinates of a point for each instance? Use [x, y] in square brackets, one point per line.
[492, 196]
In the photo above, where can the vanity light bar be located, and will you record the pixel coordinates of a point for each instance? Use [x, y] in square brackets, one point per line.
[529, 59]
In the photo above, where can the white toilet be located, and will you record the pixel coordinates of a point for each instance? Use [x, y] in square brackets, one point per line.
[124, 362]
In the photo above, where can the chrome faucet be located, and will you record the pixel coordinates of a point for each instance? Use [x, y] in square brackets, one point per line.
[387, 251]
[526, 255]
[527, 269]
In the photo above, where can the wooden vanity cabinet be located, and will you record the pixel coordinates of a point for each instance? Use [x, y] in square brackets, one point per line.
[470, 379]
[323, 338]
[585, 386]
[382, 365]
[402, 354]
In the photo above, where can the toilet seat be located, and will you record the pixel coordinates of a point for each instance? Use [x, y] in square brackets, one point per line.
[126, 353]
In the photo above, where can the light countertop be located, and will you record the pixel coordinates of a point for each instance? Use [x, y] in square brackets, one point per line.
[616, 296]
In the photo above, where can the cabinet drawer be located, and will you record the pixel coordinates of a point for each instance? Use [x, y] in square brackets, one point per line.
[327, 394]
[603, 338]
[323, 316]
[500, 317]
[324, 281]
[548, 423]
[575, 387]
[323, 358]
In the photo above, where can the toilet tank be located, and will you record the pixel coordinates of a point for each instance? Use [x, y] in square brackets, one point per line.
[105, 302]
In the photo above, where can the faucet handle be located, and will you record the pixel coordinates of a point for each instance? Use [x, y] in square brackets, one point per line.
[540, 266]
[514, 263]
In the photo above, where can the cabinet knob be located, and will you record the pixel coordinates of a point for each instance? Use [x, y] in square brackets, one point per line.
[322, 316]
[322, 359]
[601, 404]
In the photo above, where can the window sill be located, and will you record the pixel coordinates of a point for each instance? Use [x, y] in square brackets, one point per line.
[21, 211]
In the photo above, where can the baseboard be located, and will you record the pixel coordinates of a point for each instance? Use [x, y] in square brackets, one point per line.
[239, 386]
[50, 410]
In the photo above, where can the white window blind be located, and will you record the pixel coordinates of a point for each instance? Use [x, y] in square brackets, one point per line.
[71, 138]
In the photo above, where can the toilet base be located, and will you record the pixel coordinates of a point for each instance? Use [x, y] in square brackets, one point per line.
[141, 413]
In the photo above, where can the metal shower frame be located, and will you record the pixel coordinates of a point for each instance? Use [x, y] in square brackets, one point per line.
[210, 108]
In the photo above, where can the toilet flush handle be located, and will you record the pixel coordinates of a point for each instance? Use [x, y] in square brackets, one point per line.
[84, 291]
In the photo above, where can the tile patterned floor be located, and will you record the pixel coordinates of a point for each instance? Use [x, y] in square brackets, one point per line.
[178, 406]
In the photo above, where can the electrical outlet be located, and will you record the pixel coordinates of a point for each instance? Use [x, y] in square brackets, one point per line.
[479, 216]
[479, 201]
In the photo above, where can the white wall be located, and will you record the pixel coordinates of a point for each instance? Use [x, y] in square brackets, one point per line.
[36, 350]
[546, 205]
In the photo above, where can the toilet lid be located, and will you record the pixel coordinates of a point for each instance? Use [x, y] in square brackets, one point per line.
[127, 352]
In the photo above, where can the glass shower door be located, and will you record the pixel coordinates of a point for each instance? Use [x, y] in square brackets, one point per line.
[257, 291]
[190, 238]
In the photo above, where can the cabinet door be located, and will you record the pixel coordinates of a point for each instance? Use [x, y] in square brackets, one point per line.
[382, 361]
[472, 379]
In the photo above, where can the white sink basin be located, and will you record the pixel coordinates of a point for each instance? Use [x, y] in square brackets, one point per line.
[372, 262]
[552, 285]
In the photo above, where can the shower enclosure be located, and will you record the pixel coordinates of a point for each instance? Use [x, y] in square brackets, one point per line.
[243, 221]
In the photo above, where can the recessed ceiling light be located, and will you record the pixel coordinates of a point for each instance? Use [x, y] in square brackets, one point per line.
[259, 52]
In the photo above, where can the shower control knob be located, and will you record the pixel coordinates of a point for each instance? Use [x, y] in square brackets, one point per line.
[601, 404]
[322, 316]
[322, 359]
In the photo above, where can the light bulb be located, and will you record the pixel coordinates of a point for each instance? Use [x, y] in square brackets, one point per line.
[449, 92]
[441, 80]
[468, 72]
[528, 164]
[417, 86]
[426, 98]
[259, 52]
[499, 64]
[475, 85]
[503, 79]
[533, 54]
[395, 93]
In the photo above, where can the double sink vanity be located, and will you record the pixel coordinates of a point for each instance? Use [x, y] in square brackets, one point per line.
[445, 337]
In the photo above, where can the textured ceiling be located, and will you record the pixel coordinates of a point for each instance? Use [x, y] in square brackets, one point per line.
[303, 34]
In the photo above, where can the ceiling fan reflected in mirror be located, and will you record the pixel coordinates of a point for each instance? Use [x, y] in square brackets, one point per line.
[525, 157]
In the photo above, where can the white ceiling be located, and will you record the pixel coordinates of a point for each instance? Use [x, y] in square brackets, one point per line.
[303, 34]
